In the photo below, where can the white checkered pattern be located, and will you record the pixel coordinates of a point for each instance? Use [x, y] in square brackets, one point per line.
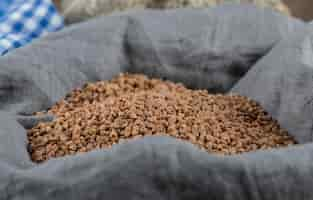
[21, 21]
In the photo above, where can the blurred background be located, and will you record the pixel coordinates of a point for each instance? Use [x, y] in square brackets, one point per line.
[79, 10]
[300, 8]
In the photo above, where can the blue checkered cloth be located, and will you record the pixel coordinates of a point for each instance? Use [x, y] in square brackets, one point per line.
[21, 21]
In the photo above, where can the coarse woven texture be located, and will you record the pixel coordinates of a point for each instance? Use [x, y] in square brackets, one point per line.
[203, 48]
[22, 21]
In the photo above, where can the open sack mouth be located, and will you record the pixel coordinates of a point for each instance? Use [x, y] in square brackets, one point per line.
[245, 84]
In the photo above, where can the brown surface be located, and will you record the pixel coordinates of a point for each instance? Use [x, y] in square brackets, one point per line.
[57, 3]
[104, 113]
[301, 8]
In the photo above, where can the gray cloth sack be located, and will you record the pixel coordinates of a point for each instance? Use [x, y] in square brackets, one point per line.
[258, 53]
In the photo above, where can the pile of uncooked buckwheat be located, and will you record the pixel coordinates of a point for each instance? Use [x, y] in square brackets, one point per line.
[104, 113]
